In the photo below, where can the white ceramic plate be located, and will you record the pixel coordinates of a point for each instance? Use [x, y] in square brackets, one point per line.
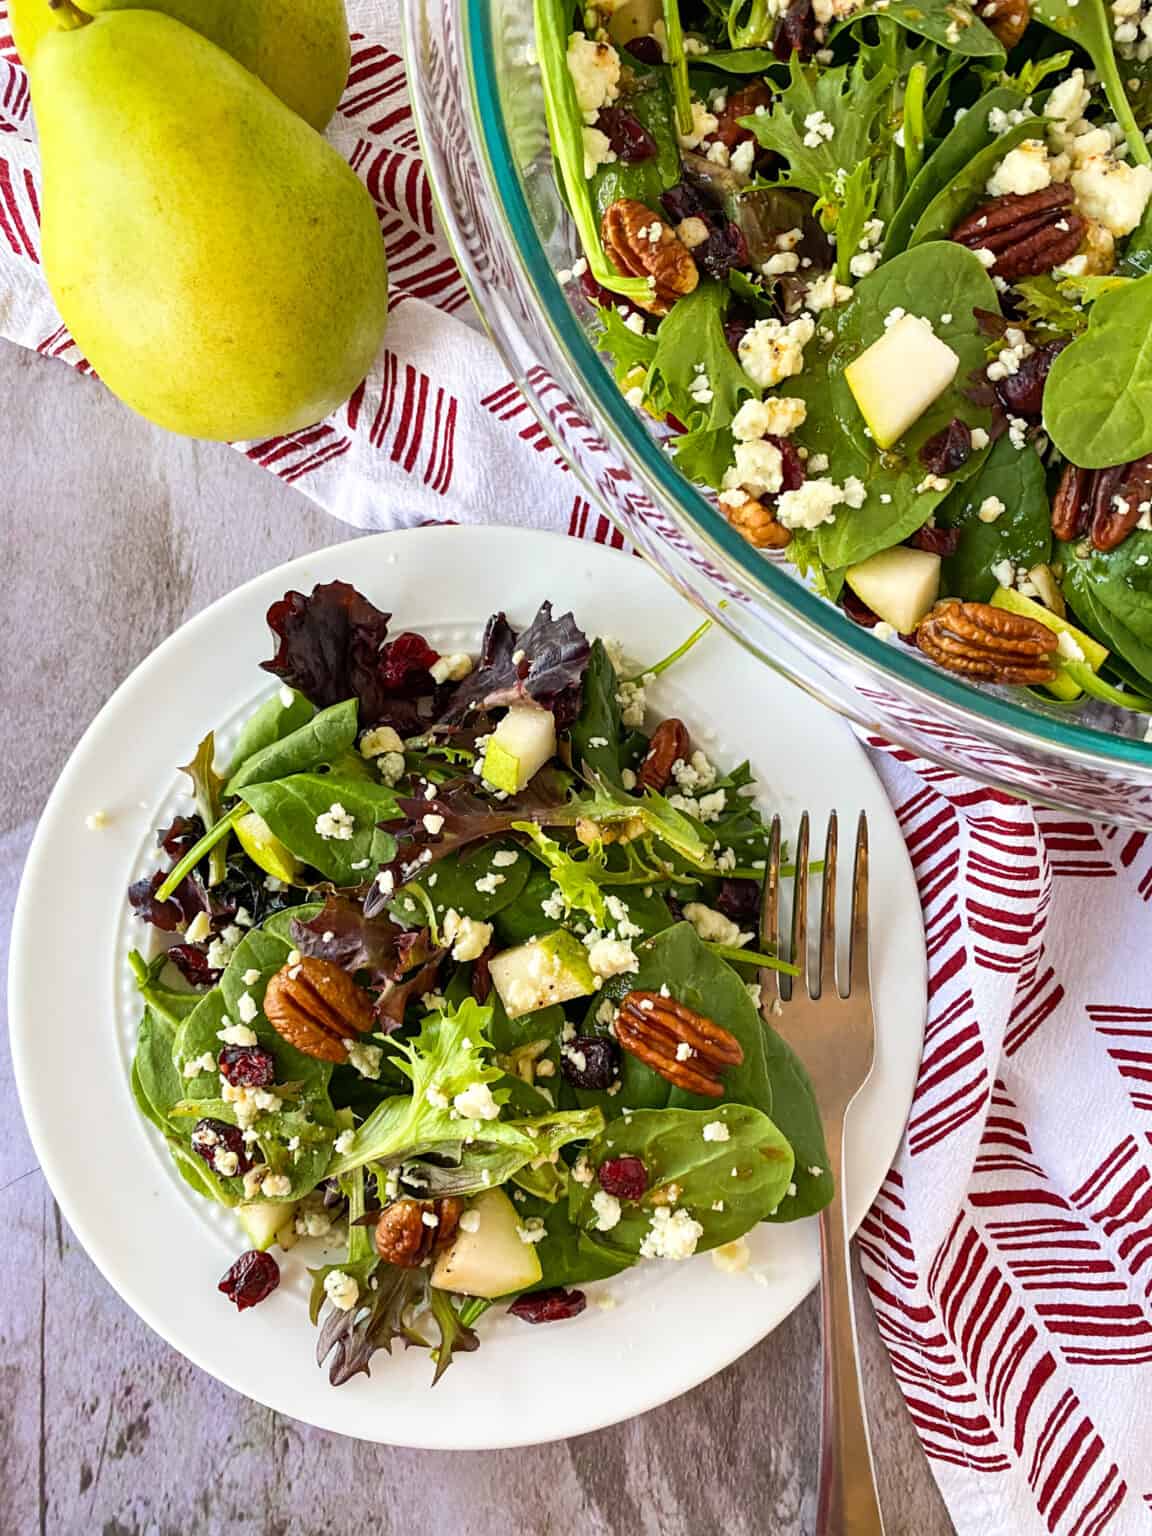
[74, 1010]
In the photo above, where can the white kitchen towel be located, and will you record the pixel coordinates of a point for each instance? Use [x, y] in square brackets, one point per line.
[1009, 1254]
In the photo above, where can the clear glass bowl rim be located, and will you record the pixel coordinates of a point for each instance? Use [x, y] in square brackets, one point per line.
[813, 612]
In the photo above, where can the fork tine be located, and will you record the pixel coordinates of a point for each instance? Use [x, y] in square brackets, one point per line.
[828, 912]
[799, 952]
[770, 911]
[858, 969]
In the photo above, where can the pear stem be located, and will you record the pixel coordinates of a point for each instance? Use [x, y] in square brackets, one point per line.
[68, 18]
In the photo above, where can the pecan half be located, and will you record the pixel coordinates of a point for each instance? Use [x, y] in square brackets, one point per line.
[757, 523]
[1027, 232]
[642, 245]
[669, 744]
[1106, 504]
[988, 644]
[316, 1006]
[686, 1048]
[403, 1236]
[1007, 20]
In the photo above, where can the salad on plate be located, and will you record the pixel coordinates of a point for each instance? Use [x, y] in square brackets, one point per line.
[454, 983]
[881, 273]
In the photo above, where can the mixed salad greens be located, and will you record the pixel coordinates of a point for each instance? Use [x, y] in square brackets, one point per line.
[399, 930]
[882, 271]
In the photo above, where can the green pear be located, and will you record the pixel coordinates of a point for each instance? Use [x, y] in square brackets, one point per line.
[219, 264]
[299, 48]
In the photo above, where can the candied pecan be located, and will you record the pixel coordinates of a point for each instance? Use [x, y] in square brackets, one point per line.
[686, 1048]
[1104, 503]
[316, 1006]
[741, 103]
[669, 745]
[1071, 502]
[403, 1236]
[1027, 233]
[757, 523]
[642, 245]
[1007, 20]
[987, 644]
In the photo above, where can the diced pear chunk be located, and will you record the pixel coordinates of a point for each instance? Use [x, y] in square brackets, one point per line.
[899, 585]
[551, 969]
[519, 747]
[492, 1259]
[899, 376]
[264, 848]
[264, 1223]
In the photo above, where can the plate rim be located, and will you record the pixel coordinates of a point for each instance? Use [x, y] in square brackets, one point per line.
[53, 1161]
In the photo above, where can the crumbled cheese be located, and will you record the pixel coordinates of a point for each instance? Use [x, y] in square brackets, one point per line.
[382, 739]
[433, 824]
[335, 824]
[817, 130]
[226, 1163]
[741, 158]
[778, 416]
[633, 701]
[864, 262]
[815, 502]
[595, 71]
[1112, 193]
[716, 1130]
[468, 937]
[246, 1007]
[476, 1103]
[504, 858]
[451, 669]
[311, 1223]
[1024, 169]
[771, 351]
[780, 264]
[598, 150]
[758, 468]
[732, 1258]
[470, 1221]
[713, 927]
[198, 929]
[1069, 647]
[612, 957]
[237, 1034]
[990, 509]
[607, 1209]
[532, 1231]
[365, 1058]
[704, 123]
[343, 1142]
[390, 767]
[205, 1063]
[980, 439]
[341, 1289]
[684, 1051]
[673, 1234]
[276, 1186]
[1068, 100]
[826, 293]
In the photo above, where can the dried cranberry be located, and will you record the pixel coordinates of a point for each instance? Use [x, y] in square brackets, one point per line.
[951, 447]
[796, 32]
[741, 103]
[248, 1066]
[211, 1137]
[550, 1306]
[937, 541]
[739, 900]
[191, 960]
[685, 201]
[603, 299]
[181, 834]
[1022, 392]
[857, 609]
[251, 1280]
[591, 1061]
[624, 1177]
[724, 249]
[646, 49]
[405, 663]
[626, 134]
[792, 470]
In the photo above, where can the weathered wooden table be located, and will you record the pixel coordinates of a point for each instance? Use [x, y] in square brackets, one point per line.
[111, 534]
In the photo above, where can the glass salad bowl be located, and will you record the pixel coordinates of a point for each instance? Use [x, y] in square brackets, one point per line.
[480, 114]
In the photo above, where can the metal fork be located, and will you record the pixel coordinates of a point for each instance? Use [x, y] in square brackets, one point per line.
[831, 1031]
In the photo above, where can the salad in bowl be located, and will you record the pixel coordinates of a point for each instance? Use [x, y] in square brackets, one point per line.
[879, 273]
[454, 984]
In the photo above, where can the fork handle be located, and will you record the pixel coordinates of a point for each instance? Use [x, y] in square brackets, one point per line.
[848, 1505]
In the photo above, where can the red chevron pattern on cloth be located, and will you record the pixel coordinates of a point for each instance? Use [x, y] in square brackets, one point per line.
[1009, 1253]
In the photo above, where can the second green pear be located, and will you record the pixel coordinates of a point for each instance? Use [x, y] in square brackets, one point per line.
[299, 48]
[219, 264]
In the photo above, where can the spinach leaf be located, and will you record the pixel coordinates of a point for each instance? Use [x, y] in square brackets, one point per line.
[270, 722]
[291, 806]
[966, 187]
[951, 26]
[525, 917]
[643, 180]
[1089, 23]
[1098, 398]
[964, 140]
[321, 739]
[279, 924]
[567, 1255]
[598, 720]
[1022, 533]
[727, 1186]
[930, 281]
[455, 880]
[171, 1004]
[1113, 591]
[156, 1083]
[679, 960]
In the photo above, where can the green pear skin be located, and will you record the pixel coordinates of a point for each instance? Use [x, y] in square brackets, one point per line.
[216, 260]
[299, 48]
